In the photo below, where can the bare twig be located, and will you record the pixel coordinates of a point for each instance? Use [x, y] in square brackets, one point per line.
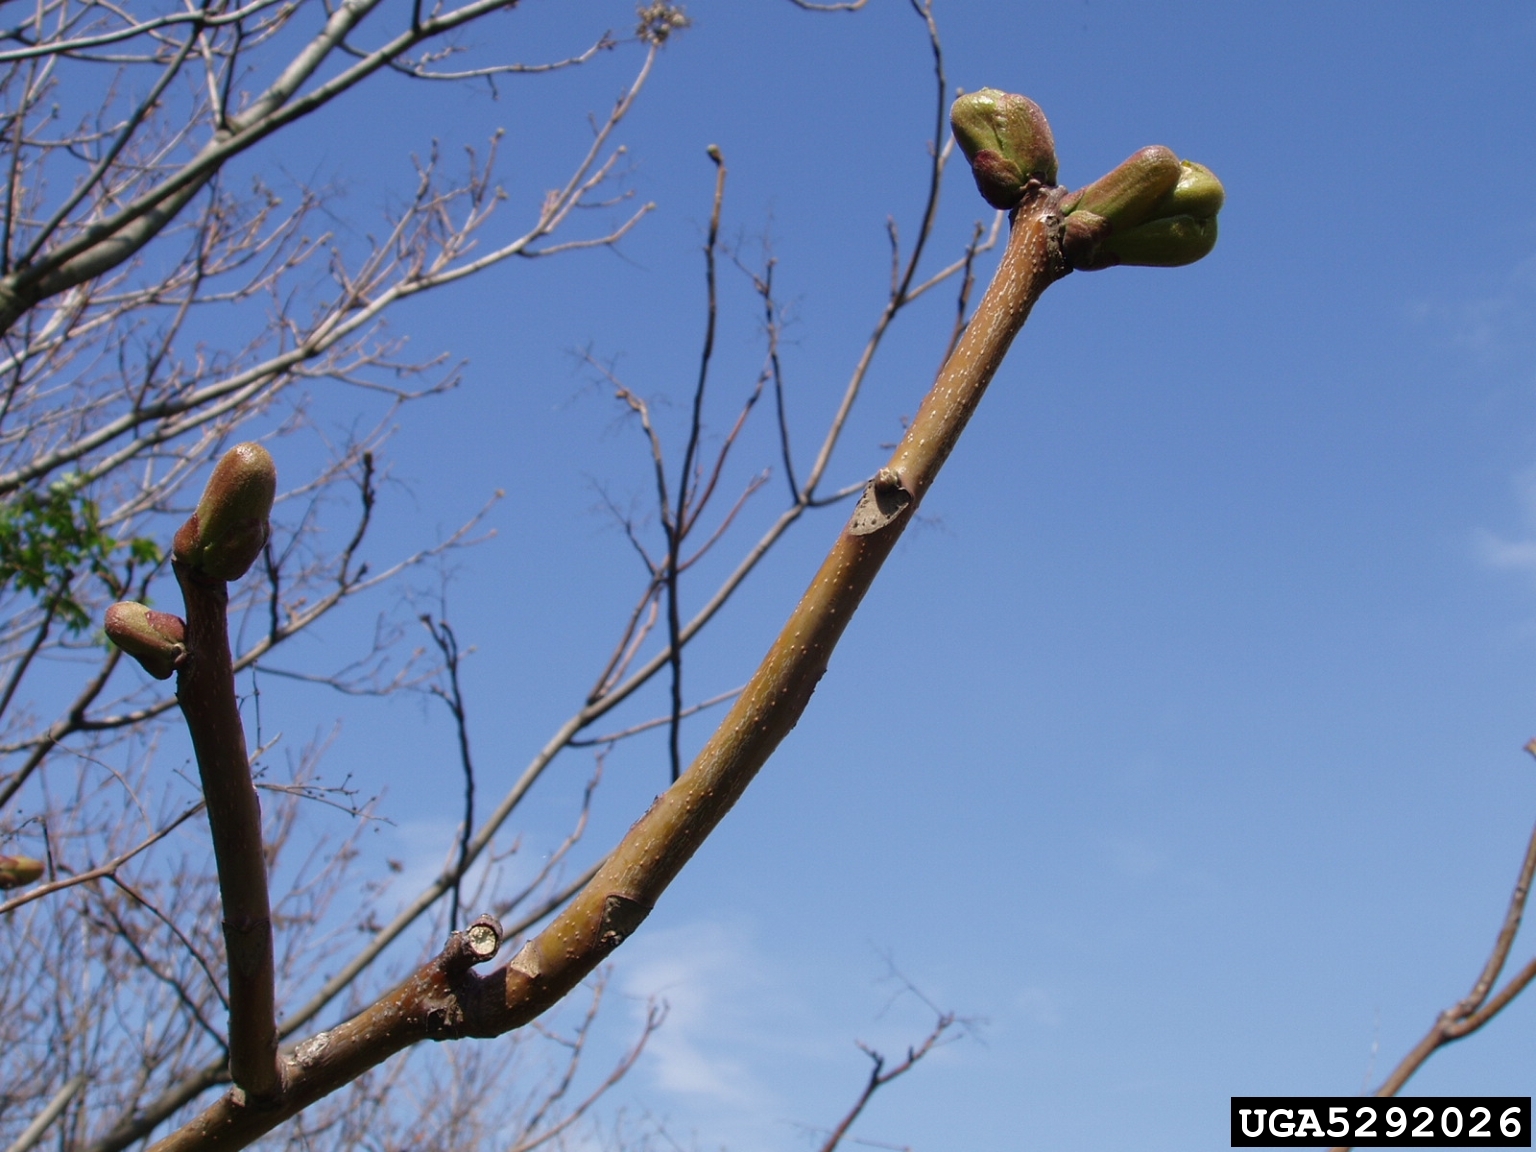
[34, 1131]
[1475, 1009]
[880, 1076]
[677, 523]
[108, 869]
[453, 697]
[840, 6]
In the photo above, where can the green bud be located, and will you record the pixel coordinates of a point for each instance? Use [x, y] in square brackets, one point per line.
[18, 870]
[222, 539]
[1198, 193]
[157, 640]
[1007, 140]
[1165, 243]
[1126, 196]
[1123, 218]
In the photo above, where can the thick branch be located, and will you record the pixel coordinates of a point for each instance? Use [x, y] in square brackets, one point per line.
[443, 999]
[658, 846]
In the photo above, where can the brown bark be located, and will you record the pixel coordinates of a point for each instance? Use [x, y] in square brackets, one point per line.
[205, 689]
[445, 1000]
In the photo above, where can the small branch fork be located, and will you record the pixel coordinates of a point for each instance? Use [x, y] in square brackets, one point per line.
[446, 998]
[1481, 1004]
[128, 222]
[679, 510]
[880, 1076]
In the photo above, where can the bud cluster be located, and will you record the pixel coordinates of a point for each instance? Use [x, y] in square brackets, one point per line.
[1154, 209]
[219, 541]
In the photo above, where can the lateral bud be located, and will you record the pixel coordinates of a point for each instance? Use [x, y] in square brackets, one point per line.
[223, 537]
[18, 870]
[1007, 140]
[157, 640]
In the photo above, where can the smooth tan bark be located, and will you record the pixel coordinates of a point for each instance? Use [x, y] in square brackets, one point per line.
[446, 999]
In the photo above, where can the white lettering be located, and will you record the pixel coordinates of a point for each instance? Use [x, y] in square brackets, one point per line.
[1338, 1116]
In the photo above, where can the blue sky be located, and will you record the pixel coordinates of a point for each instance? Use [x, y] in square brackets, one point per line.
[1182, 741]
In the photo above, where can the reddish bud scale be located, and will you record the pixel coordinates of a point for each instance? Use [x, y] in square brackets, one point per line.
[222, 539]
[157, 640]
[1008, 142]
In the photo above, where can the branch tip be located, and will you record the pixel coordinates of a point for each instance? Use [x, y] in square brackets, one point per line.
[221, 540]
[1153, 210]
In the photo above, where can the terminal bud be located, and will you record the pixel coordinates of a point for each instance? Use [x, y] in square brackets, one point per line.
[222, 539]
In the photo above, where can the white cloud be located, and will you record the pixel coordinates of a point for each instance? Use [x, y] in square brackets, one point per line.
[1498, 326]
[1519, 554]
[721, 1005]
[1040, 1006]
[1496, 552]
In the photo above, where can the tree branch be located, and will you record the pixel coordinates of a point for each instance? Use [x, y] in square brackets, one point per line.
[445, 999]
[205, 689]
[1476, 1008]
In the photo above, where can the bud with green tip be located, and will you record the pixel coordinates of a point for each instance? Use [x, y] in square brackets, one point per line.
[1119, 220]
[222, 539]
[1126, 196]
[1198, 193]
[157, 640]
[18, 870]
[1007, 140]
